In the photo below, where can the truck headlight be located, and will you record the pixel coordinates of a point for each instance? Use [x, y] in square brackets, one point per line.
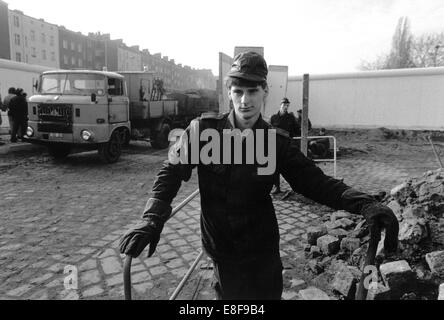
[29, 132]
[86, 135]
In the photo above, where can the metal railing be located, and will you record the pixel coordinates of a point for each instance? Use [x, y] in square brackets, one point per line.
[128, 258]
[334, 160]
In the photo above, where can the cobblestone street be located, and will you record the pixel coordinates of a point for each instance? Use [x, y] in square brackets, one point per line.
[72, 213]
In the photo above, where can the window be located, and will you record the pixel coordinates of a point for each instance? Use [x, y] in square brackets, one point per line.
[17, 39]
[73, 61]
[79, 47]
[32, 35]
[115, 87]
[16, 22]
[65, 59]
[26, 41]
[43, 38]
[33, 54]
[65, 44]
[52, 56]
[80, 63]
[73, 46]
[18, 56]
[51, 41]
[44, 54]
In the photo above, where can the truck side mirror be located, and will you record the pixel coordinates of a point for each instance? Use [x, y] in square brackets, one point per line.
[36, 85]
[93, 97]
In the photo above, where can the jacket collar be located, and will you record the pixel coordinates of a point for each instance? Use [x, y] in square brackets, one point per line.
[230, 123]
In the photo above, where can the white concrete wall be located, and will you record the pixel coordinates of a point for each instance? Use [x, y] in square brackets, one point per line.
[277, 83]
[17, 75]
[395, 99]
[225, 63]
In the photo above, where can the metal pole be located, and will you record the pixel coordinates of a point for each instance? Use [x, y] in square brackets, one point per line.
[304, 124]
[128, 258]
[187, 276]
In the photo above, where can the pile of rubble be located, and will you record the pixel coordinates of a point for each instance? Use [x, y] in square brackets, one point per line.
[336, 250]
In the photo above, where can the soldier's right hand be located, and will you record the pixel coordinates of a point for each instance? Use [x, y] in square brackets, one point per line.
[136, 239]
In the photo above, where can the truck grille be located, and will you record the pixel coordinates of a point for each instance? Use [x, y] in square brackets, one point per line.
[55, 118]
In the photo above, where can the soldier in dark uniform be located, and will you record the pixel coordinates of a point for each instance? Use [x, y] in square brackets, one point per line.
[239, 227]
[286, 121]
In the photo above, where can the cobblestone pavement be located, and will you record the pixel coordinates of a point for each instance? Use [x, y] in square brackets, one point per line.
[55, 216]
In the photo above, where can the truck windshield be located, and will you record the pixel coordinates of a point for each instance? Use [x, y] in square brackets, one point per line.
[73, 84]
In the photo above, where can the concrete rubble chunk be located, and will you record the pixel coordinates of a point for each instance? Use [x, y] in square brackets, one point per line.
[435, 260]
[437, 231]
[396, 208]
[313, 233]
[344, 282]
[332, 225]
[414, 212]
[398, 189]
[412, 231]
[315, 251]
[328, 244]
[313, 293]
[381, 292]
[339, 215]
[315, 266]
[345, 223]
[338, 233]
[397, 275]
[441, 292]
[350, 244]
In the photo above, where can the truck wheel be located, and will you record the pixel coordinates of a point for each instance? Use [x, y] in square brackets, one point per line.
[125, 138]
[160, 138]
[110, 151]
[59, 152]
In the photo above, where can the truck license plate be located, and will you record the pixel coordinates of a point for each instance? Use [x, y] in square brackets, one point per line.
[56, 135]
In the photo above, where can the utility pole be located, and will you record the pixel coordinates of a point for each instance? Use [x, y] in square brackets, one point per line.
[304, 128]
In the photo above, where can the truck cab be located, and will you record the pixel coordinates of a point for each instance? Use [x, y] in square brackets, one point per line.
[80, 109]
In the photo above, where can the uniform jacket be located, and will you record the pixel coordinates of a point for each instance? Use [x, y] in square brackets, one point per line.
[238, 221]
[287, 122]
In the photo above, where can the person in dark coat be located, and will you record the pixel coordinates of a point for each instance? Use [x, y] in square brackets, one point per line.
[18, 111]
[239, 228]
[319, 148]
[299, 124]
[286, 121]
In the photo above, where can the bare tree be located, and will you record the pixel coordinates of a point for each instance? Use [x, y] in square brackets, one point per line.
[428, 50]
[379, 63]
[400, 55]
[401, 52]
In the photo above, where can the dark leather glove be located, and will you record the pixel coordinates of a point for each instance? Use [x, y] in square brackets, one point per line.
[378, 217]
[148, 231]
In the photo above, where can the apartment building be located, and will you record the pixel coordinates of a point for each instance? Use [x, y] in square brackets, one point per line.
[32, 40]
[5, 50]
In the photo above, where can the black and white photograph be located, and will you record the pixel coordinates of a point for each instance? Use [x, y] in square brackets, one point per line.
[243, 151]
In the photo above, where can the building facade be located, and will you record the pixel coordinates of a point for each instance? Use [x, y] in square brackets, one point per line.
[129, 58]
[36, 42]
[72, 48]
[32, 40]
[5, 45]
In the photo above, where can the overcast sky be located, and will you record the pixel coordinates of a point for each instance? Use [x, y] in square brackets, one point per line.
[309, 36]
